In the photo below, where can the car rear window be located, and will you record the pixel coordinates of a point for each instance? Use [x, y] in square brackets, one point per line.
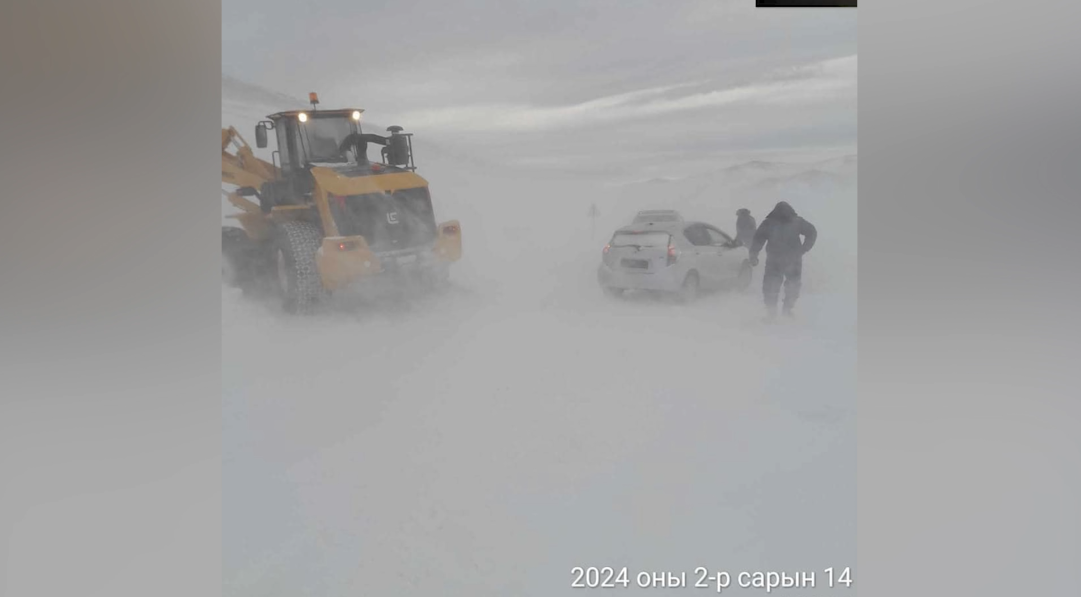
[656, 218]
[641, 239]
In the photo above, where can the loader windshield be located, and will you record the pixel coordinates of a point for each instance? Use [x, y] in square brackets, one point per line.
[322, 136]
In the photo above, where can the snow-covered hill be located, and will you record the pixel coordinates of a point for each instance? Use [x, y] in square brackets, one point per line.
[487, 442]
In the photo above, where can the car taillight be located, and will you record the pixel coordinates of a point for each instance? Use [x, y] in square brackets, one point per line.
[671, 254]
[607, 248]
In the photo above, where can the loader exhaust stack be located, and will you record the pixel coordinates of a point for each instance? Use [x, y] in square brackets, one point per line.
[399, 149]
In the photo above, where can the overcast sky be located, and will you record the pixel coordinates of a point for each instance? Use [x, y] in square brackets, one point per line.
[618, 88]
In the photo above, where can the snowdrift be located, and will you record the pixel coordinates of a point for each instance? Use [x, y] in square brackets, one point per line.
[487, 442]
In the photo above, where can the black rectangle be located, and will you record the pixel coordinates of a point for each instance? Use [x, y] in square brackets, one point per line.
[635, 263]
[805, 3]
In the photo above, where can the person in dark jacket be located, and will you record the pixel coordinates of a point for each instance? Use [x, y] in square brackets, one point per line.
[780, 234]
[745, 227]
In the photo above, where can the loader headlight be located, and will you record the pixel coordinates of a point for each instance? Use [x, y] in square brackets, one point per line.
[356, 115]
[302, 117]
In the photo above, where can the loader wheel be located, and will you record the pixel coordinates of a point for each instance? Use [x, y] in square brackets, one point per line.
[236, 268]
[228, 271]
[298, 280]
[438, 279]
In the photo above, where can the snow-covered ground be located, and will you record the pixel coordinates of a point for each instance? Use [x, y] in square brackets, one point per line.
[488, 441]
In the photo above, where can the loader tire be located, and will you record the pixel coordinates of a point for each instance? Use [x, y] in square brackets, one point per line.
[437, 279]
[298, 280]
[239, 265]
[230, 256]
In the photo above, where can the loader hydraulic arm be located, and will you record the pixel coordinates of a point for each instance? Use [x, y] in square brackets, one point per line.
[242, 168]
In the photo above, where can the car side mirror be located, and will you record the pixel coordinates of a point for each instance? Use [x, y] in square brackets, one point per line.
[260, 135]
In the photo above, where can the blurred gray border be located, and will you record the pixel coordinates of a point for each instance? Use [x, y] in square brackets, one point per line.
[969, 475]
[969, 456]
[110, 407]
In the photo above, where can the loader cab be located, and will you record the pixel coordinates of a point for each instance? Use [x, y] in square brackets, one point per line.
[309, 137]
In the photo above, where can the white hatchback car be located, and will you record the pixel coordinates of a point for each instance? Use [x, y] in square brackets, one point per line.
[674, 257]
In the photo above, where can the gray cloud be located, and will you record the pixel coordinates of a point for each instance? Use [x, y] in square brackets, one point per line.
[815, 84]
[531, 81]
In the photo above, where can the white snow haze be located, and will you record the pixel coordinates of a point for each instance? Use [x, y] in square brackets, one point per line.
[488, 440]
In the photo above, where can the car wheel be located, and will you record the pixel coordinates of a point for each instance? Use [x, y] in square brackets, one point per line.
[688, 292]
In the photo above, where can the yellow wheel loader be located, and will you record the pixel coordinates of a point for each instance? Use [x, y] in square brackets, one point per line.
[321, 217]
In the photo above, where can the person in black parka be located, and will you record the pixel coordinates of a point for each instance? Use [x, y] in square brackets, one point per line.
[745, 227]
[780, 234]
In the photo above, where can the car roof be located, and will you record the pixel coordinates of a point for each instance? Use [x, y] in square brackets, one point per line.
[669, 227]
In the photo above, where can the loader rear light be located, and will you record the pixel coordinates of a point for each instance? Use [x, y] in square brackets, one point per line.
[672, 255]
[451, 229]
[302, 117]
[347, 246]
[356, 114]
